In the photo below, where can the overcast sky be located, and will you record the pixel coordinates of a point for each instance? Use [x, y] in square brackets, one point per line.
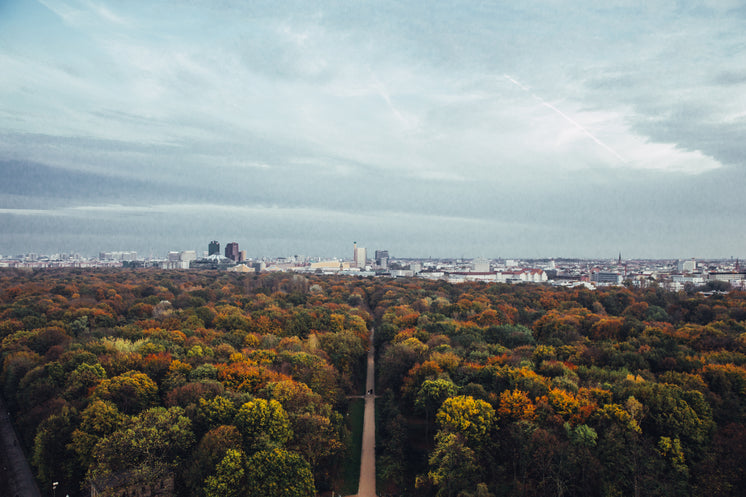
[465, 129]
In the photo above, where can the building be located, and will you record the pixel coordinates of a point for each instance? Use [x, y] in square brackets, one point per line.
[729, 277]
[463, 276]
[116, 256]
[215, 261]
[606, 278]
[241, 268]
[480, 266]
[232, 252]
[329, 266]
[187, 255]
[359, 257]
[213, 248]
[688, 266]
[382, 258]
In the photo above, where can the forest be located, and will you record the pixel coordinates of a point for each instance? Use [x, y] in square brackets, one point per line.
[232, 384]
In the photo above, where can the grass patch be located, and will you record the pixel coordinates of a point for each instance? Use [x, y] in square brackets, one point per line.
[351, 469]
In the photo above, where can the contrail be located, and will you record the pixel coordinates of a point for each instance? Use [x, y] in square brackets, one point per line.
[568, 119]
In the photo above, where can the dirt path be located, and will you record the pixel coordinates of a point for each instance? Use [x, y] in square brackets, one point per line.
[367, 485]
[20, 480]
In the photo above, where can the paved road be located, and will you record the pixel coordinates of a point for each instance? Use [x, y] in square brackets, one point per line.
[367, 485]
[20, 480]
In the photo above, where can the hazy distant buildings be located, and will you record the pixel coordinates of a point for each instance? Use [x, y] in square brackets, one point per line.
[213, 248]
[232, 252]
[117, 256]
[179, 260]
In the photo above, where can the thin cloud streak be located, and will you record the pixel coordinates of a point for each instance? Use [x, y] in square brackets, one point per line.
[568, 119]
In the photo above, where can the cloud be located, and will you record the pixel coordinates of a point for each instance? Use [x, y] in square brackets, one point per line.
[388, 108]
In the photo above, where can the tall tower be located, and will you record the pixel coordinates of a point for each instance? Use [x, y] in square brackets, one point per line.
[213, 248]
[358, 255]
[231, 251]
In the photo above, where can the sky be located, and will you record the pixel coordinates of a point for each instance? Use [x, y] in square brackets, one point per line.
[432, 129]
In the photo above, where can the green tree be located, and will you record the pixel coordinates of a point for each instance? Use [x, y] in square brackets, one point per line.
[152, 443]
[216, 411]
[345, 350]
[279, 473]
[229, 479]
[132, 391]
[315, 437]
[432, 394]
[82, 379]
[453, 465]
[263, 424]
[51, 455]
[208, 453]
[100, 419]
[472, 418]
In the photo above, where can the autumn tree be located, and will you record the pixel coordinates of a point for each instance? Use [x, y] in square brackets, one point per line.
[154, 442]
[263, 424]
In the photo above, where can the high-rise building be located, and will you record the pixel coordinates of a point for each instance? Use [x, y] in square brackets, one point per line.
[382, 258]
[687, 266]
[358, 255]
[213, 248]
[231, 251]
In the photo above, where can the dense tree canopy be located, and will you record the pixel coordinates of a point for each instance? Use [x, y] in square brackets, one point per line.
[239, 383]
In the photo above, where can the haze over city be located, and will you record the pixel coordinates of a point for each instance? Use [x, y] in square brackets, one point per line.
[539, 129]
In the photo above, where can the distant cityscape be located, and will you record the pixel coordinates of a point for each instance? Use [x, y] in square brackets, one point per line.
[671, 274]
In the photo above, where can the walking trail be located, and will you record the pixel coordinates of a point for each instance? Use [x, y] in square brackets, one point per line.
[16, 469]
[367, 485]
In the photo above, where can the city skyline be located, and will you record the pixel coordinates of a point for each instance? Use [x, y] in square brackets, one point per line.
[448, 130]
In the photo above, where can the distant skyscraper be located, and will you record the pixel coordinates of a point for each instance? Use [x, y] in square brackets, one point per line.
[231, 251]
[213, 248]
[358, 255]
[382, 258]
[380, 254]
